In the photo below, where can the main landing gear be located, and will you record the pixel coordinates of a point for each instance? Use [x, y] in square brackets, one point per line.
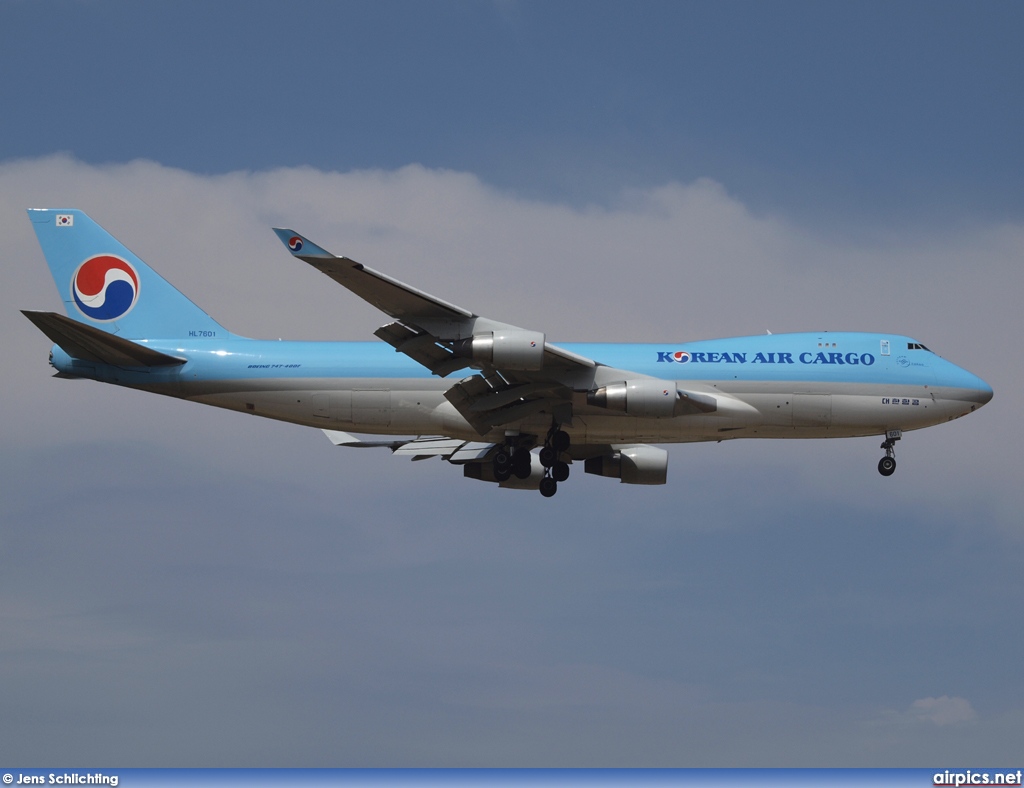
[555, 470]
[512, 461]
[515, 460]
[887, 465]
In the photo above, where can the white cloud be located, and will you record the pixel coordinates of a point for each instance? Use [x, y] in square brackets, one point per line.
[675, 262]
[943, 711]
[225, 524]
[940, 712]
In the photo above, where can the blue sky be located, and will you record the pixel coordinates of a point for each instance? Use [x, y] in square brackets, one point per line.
[190, 587]
[875, 107]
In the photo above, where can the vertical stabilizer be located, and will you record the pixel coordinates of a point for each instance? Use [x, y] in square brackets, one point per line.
[104, 285]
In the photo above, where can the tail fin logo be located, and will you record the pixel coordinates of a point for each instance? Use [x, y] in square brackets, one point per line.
[295, 243]
[105, 287]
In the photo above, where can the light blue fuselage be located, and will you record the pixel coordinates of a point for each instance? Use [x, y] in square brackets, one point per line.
[497, 399]
[788, 385]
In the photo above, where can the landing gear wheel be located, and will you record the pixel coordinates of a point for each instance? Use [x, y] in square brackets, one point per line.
[502, 464]
[548, 456]
[521, 464]
[548, 486]
[560, 441]
[560, 471]
[887, 465]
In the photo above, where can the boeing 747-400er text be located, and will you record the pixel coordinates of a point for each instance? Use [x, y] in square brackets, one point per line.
[525, 411]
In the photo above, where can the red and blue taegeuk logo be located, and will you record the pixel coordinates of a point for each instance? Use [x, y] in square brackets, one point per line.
[295, 243]
[105, 287]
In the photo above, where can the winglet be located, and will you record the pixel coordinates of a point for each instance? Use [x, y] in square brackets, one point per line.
[299, 245]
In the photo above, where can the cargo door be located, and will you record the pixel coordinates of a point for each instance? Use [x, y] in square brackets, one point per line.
[812, 410]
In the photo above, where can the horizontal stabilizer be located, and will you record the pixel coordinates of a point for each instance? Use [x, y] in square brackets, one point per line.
[91, 344]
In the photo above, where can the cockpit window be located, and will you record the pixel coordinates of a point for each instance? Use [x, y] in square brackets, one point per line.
[916, 346]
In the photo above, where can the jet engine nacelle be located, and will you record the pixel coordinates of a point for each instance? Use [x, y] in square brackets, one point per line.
[649, 397]
[640, 464]
[508, 349]
[484, 471]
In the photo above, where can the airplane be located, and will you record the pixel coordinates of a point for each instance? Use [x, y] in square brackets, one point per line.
[522, 412]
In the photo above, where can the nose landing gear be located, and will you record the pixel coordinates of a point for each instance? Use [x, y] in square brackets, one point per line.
[887, 465]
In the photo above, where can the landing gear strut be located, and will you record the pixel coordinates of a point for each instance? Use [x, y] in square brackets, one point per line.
[514, 459]
[887, 465]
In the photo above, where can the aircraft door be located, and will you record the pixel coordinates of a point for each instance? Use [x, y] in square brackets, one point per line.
[334, 406]
[371, 407]
[321, 405]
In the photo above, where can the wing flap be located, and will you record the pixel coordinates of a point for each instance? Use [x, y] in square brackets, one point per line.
[429, 447]
[422, 348]
[493, 402]
[503, 397]
[455, 450]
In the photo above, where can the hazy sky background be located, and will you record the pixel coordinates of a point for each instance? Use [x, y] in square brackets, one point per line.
[182, 586]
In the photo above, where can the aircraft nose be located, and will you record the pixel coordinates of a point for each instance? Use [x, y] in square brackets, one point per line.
[982, 392]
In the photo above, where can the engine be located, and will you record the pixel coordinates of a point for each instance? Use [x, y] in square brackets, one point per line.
[650, 398]
[484, 471]
[637, 464]
[507, 349]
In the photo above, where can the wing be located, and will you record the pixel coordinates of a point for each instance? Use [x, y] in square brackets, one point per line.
[521, 373]
[453, 450]
[392, 297]
[633, 463]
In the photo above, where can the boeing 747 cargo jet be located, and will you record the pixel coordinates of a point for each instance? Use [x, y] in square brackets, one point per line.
[522, 411]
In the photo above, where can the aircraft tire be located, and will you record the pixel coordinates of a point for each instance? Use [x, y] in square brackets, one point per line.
[887, 466]
[548, 456]
[560, 441]
[560, 471]
[522, 462]
[548, 486]
[503, 473]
